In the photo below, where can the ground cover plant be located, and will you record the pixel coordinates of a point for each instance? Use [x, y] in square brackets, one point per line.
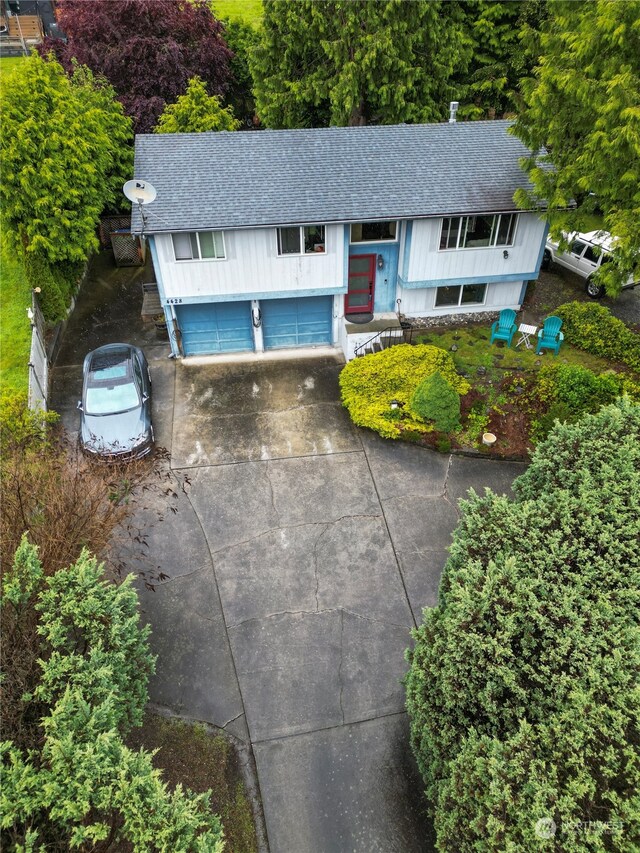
[522, 690]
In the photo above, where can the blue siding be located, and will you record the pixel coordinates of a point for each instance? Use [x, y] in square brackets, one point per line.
[215, 327]
[384, 294]
[476, 279]
[305, 321]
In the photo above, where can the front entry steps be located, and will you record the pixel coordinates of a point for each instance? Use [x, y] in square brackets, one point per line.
[374, 336]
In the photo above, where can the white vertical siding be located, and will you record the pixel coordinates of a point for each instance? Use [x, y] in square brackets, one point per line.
[252, 266]
[421, 301]
[427, 263]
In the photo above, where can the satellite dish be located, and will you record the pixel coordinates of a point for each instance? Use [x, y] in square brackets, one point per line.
[140, 192]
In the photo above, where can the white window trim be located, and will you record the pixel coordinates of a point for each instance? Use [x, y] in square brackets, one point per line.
[199, 260]
[301, 254]
[459, 303]
[380, 239]
[479, 248]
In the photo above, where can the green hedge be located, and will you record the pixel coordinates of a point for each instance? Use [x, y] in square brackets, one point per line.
[369, 384]
[593, 328]
[522, 690]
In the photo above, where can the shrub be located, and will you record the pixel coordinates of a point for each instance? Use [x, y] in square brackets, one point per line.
[435, 400]
[369, 384]
[39, 273]
[69, 781]
[592, 327]
[573, 390]
[66, 501]
[522, 690]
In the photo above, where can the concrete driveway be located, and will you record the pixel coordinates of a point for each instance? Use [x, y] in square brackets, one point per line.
[301, 556]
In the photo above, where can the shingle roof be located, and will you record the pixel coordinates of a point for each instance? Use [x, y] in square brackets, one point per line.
[334, 174]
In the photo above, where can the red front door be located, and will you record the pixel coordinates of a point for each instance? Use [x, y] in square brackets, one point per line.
[362, 275]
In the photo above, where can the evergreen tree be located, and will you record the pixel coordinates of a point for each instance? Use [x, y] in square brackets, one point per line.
[352, 62]
[66, 151]
[69, 781]
[490, 86]
[196, 112]
[436, 400]
[523, 687]
[582, 106]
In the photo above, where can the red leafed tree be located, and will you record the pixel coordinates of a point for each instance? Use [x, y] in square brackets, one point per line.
[147, 49]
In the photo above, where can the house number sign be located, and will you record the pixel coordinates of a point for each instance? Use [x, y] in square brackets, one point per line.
[175, 300]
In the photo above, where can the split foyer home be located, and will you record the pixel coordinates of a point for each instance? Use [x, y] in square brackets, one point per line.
[304, 238]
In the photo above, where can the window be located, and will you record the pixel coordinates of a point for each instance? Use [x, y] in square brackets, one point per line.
[591, 255]
[476, 232]
[196, 245]
[577, 248]
[460, 294]
[373, 232]
[291, 240]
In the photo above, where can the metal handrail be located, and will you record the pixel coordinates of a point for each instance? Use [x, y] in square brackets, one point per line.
[378, 335]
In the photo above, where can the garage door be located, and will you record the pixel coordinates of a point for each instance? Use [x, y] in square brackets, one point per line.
[219, 327]
[297, 322]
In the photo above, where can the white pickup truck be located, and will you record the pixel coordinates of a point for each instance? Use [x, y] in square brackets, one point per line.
[584, 256]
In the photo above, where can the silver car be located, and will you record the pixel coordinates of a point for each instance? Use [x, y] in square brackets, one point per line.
[115, 419]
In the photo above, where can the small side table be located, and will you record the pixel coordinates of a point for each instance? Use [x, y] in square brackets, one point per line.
[526, 333]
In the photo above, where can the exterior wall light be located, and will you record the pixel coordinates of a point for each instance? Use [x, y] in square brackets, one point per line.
[505, 254]
[380, 262]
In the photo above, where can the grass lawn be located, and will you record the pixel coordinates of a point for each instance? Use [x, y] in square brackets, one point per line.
[249, 11]
[189, 755]
[8, 63]
[474, 350]
[15, 329]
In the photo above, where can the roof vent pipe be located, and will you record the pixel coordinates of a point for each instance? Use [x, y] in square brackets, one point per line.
[453, 109]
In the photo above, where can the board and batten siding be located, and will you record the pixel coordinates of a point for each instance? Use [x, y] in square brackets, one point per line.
[252, 266]
[420, 302]
[427, 263]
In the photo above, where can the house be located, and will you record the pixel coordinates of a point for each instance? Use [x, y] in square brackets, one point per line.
[297, 238]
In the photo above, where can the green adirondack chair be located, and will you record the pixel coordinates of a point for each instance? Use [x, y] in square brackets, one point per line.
[504, 328]
[550, 336]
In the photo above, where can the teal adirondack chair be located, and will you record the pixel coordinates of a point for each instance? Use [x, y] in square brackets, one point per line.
[550, 336]
[504, 328]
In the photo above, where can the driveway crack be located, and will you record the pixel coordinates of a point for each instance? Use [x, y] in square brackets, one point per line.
[445, 494]
[340, 684]
[270, 530]
[342, 610]
[315, 564]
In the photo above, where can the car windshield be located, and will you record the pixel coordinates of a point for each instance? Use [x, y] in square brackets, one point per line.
[110, 386]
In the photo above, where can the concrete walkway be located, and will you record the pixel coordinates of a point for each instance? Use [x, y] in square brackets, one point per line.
[299, 558]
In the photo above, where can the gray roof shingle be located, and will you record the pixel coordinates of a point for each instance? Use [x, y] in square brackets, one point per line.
[336, 174]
